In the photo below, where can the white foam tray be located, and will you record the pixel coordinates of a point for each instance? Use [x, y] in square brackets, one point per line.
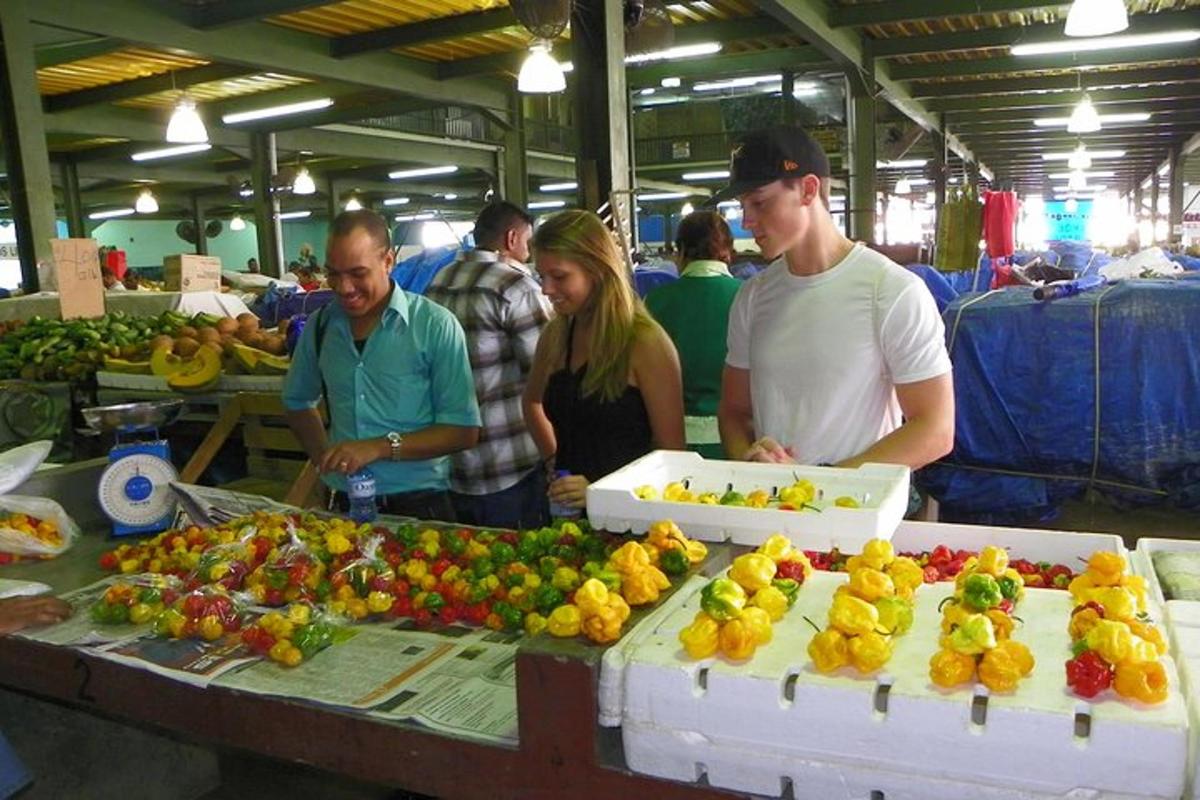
[613, 506]
[755, 724]
[156, 383]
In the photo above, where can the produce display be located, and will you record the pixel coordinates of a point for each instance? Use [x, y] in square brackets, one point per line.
[564, 579]
[869, 612]
[40, 530]
[737, 610]
[136, 601]
[190, 351]
[1113, 642]
[1178, 573]
[944, 564]
[802, 495]
[292, 637]
[977, 627]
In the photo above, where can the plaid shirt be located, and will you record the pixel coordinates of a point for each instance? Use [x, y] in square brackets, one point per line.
[502, 310]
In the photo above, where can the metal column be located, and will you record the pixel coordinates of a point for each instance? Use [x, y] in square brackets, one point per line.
[860, 140]
[512, 163]
[1175, 197]
[200, 222]
[266, 205]
[1154, 208]
[72, 200]
[939, 179]
[24, 135]
[787, 98]
[601, 100]
[1138, 196]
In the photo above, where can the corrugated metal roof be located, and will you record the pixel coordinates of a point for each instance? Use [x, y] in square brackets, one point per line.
[123, 65]
[218, 90]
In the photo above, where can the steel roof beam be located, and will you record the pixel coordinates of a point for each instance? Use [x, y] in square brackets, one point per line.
[1143, 94]
[55, 53]
[1089, 80]
[139, 87]
[865, 14]
[232, 12]
[1021, 64]
[418, 33]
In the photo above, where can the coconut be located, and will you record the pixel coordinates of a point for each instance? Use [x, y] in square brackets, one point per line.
[275, 345]
[162, 341]
[247, 321]
[214, 346]
[228, 343]
[186, 346]
[208, 335]
[227, 325]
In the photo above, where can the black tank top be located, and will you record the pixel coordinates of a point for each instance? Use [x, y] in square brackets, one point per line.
[595, 437]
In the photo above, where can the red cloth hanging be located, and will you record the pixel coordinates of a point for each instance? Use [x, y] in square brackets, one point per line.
[1000, 223]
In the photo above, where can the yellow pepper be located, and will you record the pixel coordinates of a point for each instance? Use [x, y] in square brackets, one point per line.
[535, 623]
[564, 621]
[1106, 568]
[629, 558]
[652, 552]
[336, 543]
[798, 493]
[777, 547]
[1150, 633]
[591, 597]
[645, 492]
[1081, 587]
[701, 638]
[1112, 640]
[602, 627]
[953, 615]
[696, 551]
[828, 650]
[299, 614]
[948, 668]
[878, 553]
[378, 602]
[1119, 603]
[869, 651]
[618, 605]
[772, 601]
[906, 574]
[673, 491]
[752, 571]
[1002, 624]
[1137, 585]
[565, 579]
[852, 615]
[709, 499]
[993, 560]
[416, 569]
[870, 584]
[758, 499]
[1004, 665]
[1145, 681]
[641, 588]
[1141, 650]
[737, 640]
[759, 623]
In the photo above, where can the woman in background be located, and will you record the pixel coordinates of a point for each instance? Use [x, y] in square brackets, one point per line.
[605, 385]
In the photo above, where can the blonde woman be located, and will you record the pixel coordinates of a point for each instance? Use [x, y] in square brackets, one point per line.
[605, 387]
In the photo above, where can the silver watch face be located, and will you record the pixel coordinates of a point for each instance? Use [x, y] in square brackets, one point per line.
[394, 438]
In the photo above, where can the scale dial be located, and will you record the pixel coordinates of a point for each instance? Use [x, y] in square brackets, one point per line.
[136, 489]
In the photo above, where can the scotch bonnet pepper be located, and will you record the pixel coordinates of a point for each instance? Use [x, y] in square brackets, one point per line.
[723, 599]
[981, 592]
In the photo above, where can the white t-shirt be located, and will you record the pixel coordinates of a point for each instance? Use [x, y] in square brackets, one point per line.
[825, 351]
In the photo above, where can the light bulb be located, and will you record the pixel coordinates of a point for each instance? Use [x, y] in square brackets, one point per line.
[1084, 118]
[304, 183]
[1079, 159]
[237, 223]
[353, 205]
[1096, 18]
[185, 126]
[687, 209]
[1077, 180]
[146, 203]
[903, 186]
[1071, 206]
[541, 73]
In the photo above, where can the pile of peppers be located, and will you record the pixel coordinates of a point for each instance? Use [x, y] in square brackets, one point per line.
[634, 575]
[977, 627]
[1113, 643]
[738, 609]
[874, 607]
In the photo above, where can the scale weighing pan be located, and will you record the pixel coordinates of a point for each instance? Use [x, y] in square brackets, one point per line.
[133, 417]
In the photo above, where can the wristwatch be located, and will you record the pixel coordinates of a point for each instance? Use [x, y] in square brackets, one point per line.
[395, 440]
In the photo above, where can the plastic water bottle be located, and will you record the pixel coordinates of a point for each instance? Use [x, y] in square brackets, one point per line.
[560, 511]
[360, 490]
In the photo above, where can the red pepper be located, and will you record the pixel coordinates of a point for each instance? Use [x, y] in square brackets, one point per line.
[448, 615]
[932, 574]
[1088, 674]
[941, 555]
[402, 606]
[440, 566]
[1006, 606]
[477, 613]
[400, 588]
[1092, 604]
[423, 618]
[790, 570]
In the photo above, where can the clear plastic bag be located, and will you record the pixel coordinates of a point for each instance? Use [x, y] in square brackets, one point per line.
[25, 522]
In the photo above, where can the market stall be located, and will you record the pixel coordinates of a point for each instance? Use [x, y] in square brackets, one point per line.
[133, 303]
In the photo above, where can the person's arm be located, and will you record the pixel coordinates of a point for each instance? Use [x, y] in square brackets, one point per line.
[302, 393]
[428, 442]
[735, 413]
[309, 428]
[18, 613]
[531, 402]
[659, 377]
[928, 430]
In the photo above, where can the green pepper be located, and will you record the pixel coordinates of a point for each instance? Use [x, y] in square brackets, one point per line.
[310, 639]
[981, 592]
[674, 562]
[546, 598]
[610, 578]
[277, 579]
[482, 567]
[434, 602]
[567, 552]
[324, 589]
[151, 596]
[510, 615]
[789, 587]
[732, 498]
[594, 548]
[454, 544]
[548, 537]
[546, 567]
[503, 553]
[973, 635]
[723, 599]
[478, 593]
[514, 579]
[408, 534]
[1009, 588]
[895, 615]
[529, 549]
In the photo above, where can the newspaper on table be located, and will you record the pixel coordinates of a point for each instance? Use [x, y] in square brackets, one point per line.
[79, 630]
[208, 507]
[464, 686]
[188, 660]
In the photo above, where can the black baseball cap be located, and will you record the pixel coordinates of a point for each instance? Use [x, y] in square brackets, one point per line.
[772, 154]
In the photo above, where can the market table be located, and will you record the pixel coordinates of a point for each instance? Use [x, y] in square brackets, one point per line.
[561, 749]
[134, 303]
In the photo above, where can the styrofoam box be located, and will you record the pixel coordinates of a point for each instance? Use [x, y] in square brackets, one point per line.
[881, 488]
[760, 725]
[1179, 612]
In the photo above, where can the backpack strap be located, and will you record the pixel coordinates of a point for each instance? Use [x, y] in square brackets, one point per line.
[321, 320]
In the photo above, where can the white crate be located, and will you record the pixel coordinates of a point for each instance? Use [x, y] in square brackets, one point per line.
[613, 506]
[1186, 612]
[1058, 547]
[805, 724]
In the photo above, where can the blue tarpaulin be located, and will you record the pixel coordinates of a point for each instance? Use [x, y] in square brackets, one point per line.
[1031, 378]
[414, 274]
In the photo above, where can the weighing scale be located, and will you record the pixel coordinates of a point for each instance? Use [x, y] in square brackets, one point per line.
[135, 488]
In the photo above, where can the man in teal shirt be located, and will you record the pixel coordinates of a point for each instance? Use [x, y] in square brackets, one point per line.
[394, 371]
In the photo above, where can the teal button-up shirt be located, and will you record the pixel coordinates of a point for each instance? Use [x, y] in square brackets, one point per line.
[414, 372]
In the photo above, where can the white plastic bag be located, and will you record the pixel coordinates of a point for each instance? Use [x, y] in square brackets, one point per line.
[16, 466]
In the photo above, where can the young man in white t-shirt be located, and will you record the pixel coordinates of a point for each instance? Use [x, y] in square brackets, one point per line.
[836, 354]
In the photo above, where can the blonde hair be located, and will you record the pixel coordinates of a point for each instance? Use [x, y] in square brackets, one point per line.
[619, 316]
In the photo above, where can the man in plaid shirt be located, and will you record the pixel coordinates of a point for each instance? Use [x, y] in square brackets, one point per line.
[500, 481]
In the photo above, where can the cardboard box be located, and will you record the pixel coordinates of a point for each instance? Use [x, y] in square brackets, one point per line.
[77, 275]
[192, 273]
